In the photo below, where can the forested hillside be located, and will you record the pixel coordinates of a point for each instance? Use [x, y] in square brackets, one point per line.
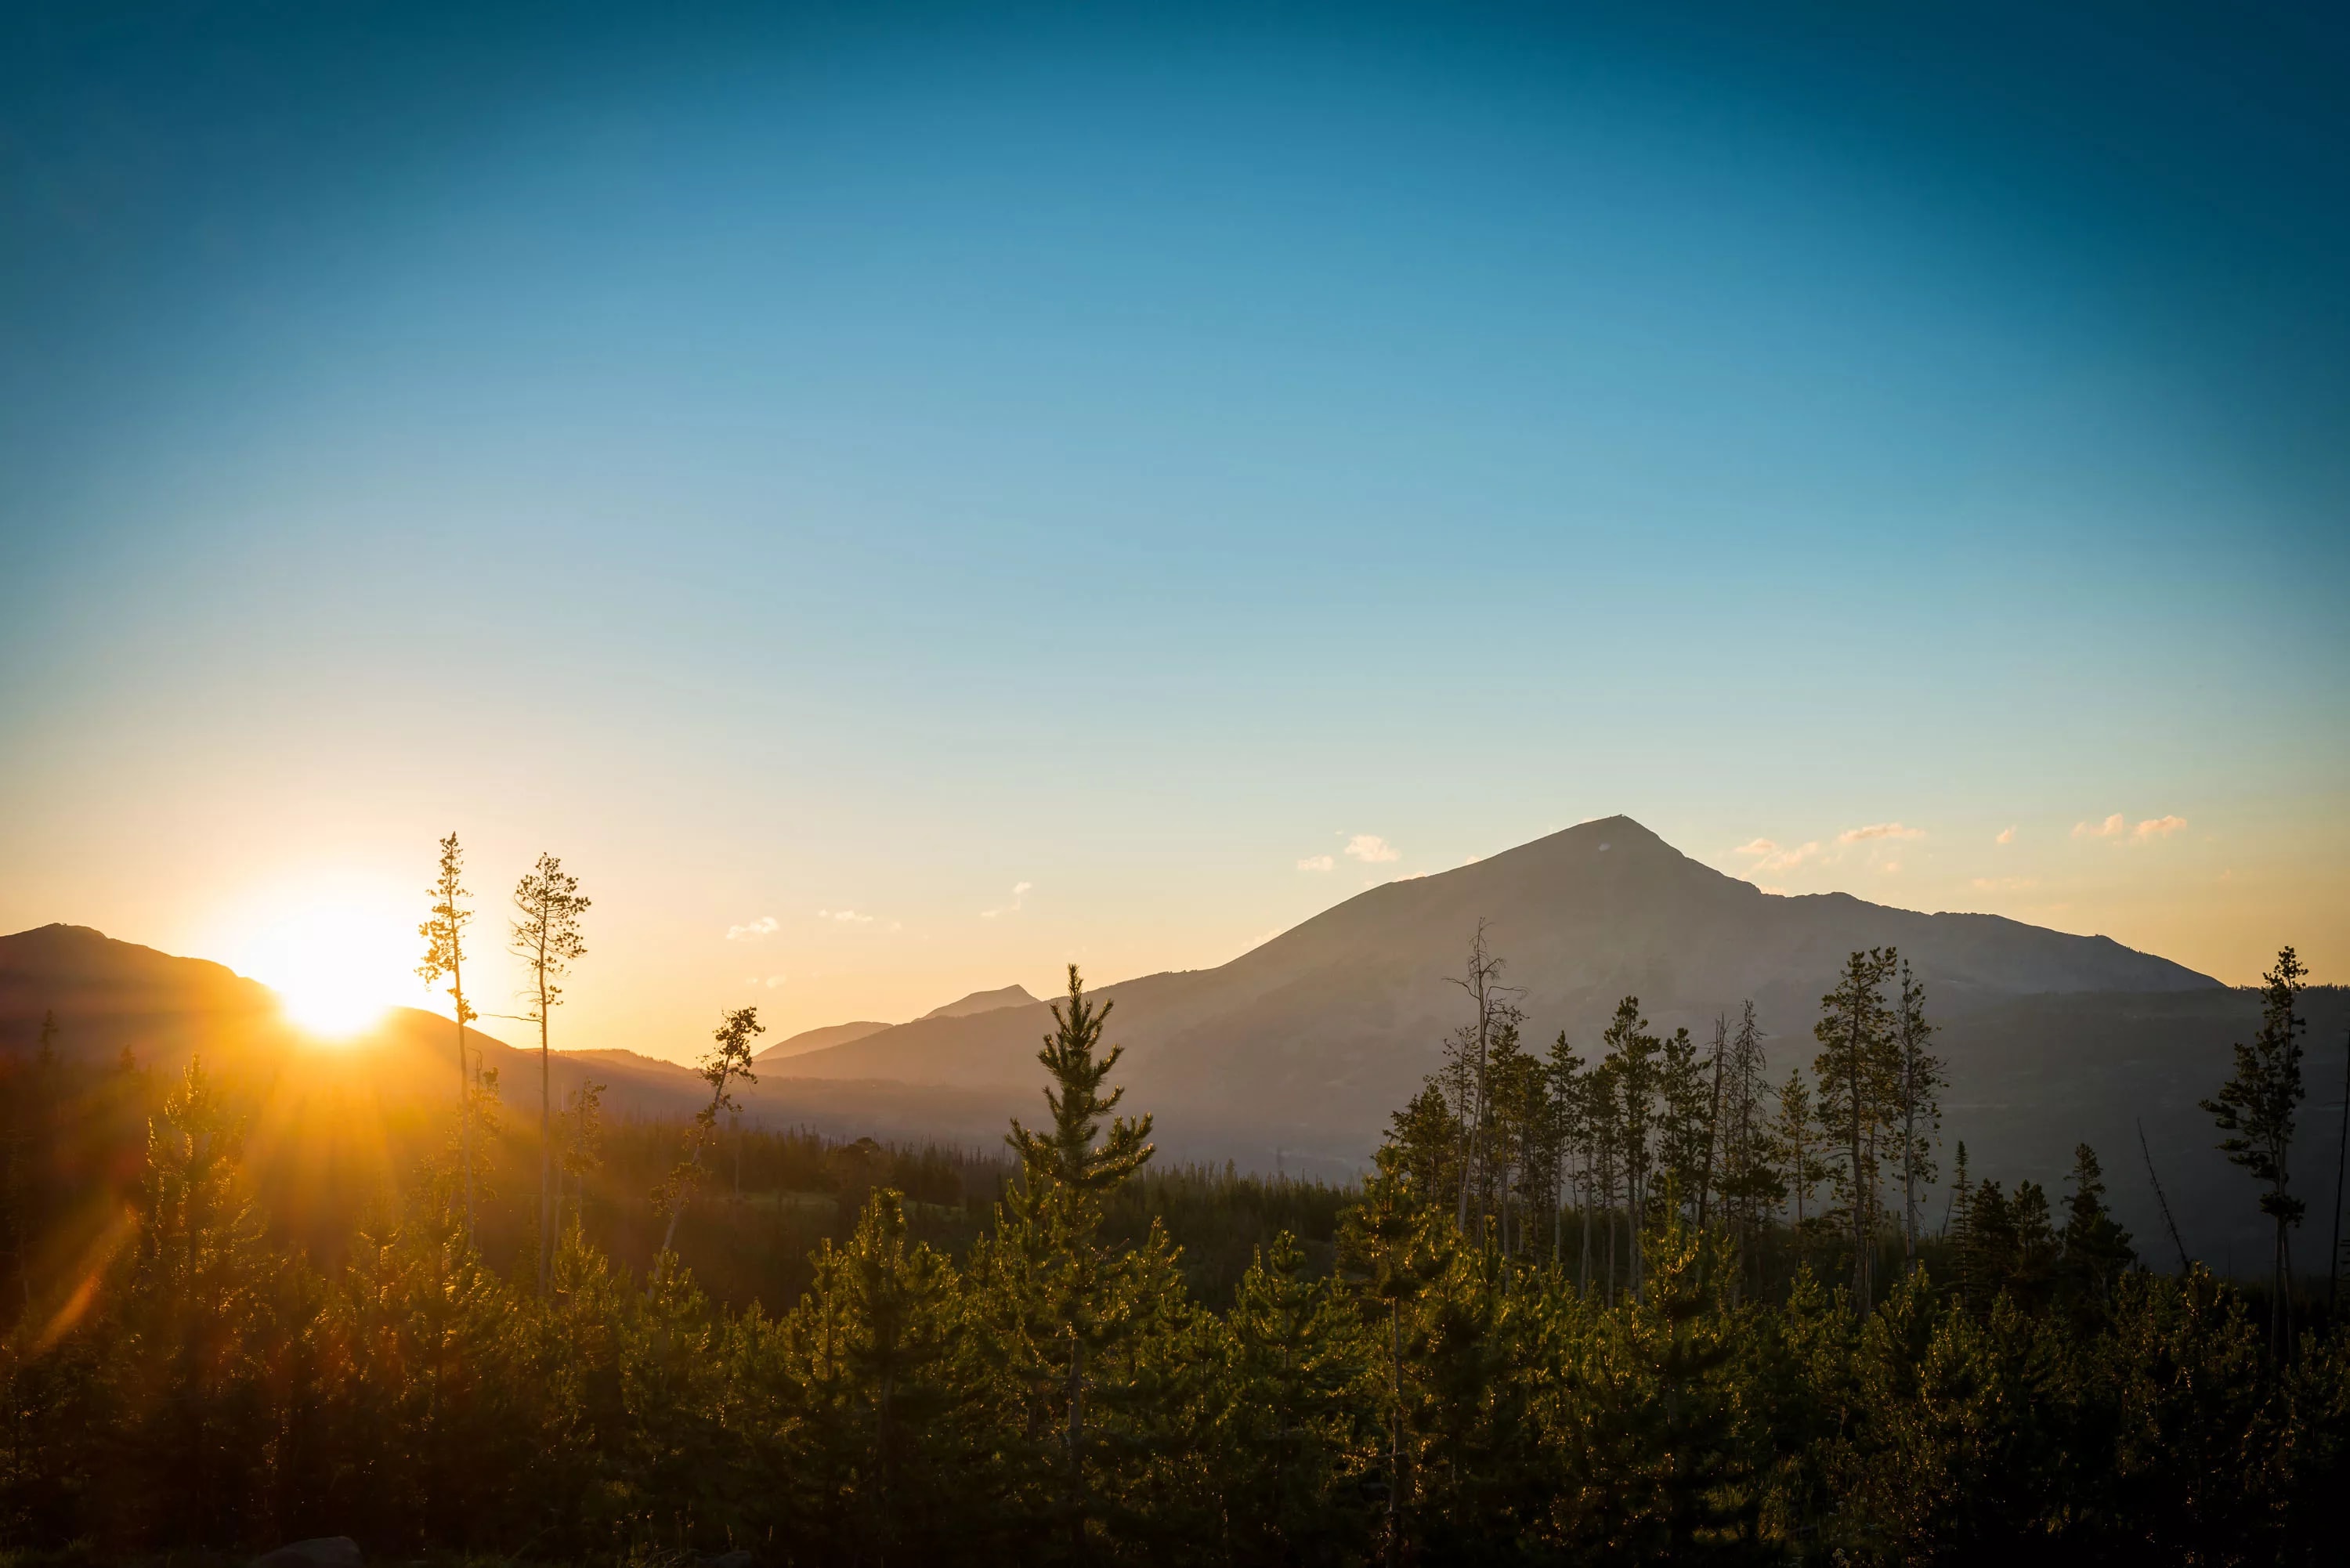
[1663, 1298]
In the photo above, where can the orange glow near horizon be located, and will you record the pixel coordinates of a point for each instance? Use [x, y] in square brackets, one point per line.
[337, 962]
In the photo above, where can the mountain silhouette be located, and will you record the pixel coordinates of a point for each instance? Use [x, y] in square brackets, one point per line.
[1323, 1031]
[816, 1039]
[1297, 1052]
[984, 1001]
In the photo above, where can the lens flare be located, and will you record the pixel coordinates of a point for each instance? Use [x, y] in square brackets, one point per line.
[336, 967]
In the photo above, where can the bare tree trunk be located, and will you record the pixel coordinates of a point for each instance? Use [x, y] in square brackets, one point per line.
[2341, 1150]
[464, 1098]
[1076, 1440]
[1713, 1125]
[546, 1142]
[1395, 1431]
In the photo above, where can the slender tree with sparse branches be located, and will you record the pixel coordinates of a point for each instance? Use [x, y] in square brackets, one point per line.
[726, 1062]
[546, 937]
[444, 931]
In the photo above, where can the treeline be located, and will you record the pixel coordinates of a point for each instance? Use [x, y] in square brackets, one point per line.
[1461, 1381]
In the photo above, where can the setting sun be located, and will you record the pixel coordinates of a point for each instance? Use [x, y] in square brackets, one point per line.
[337, 966]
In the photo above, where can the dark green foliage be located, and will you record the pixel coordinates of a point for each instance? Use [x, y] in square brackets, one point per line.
[2256, 1107]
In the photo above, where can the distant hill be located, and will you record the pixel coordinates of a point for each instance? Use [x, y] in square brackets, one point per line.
[111, 996]
[984, 1001]
[816, 1039]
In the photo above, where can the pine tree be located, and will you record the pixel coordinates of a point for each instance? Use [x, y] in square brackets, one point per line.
[1795, 1149]
[1394, 1254]
[1563, 1073]
[1854, 1073]
[548, 940]
[1717, 1068]
[2256, 1109]
[1685, 1120]
[444, 931]
[1637, 1079]
[1427, 1140]
[727, 1060]
[1066, 1173]
[582, 1136]
[2096, 1251]
[1917, 1085]
[1750, 1177]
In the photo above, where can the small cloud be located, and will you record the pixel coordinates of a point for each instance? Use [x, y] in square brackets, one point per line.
[843, 917]
[1756, 846]
[1472, 860]
[2157, 827]
[764, 926]
[1889, 867]
[2112, 827]
[2005, 836]
[1879, 830]
[1778, 859]
[1316, 862]
[775, 980]
[1019, 893]
[1371, 849]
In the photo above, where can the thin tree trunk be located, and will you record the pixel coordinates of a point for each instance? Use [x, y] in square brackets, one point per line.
[1713, 1123]
[2341, 1149]
[1076, 1439]
[1859, 1205]
[1582, 1226]
[464, 1095]
[545, 1138]
[1395, 1431]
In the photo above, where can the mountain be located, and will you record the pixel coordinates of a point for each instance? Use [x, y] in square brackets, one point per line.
[1315, 1036]
[111, 996]
[984, 1001]
[816, 1039]
[1306, 1045]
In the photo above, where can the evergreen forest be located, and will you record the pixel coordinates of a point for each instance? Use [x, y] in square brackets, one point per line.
[1649, 1298]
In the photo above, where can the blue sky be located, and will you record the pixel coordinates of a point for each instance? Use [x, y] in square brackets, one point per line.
[868, 459]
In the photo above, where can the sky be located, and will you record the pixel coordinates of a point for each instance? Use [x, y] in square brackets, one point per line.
[902, 498]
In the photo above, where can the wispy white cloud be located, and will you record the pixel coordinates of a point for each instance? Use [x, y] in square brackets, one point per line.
[1019, 902]
[1316, 862]
[1879, 830]
[764, 926]
[1889, 867]
[855, 920]
[2116, 827]
[1371, 849]
[775, 980]
[2005, 836]
[1769, 856]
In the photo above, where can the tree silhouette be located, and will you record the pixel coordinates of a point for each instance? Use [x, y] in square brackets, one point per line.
[547, 938]
[444, 931]
[2256, 1108]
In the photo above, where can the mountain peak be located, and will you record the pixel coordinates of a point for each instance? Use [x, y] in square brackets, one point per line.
[1013, 995]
